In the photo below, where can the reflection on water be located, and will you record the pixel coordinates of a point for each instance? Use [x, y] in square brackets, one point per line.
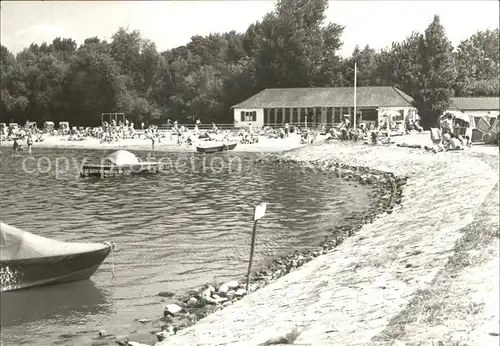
[80, 300]
[174, 231]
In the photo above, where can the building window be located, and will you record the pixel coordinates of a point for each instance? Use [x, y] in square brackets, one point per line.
[279, 116]
[369, 114]
[337, 115]
[329, 115]
[401, 116]
[249, 116]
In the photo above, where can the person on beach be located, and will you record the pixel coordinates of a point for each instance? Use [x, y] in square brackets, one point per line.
[453, 143]
[16, 147]
[29, 142]
[347, 121]
[180, 135]
[447, 125]
[282, 133]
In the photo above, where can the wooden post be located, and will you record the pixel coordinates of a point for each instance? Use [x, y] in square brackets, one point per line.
[252, 250]
[259, 212]
[355, 82]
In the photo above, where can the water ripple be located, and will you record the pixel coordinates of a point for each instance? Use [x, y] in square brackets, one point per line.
[174, 231]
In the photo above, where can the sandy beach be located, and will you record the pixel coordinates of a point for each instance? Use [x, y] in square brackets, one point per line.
[165, 144]
[424, 273]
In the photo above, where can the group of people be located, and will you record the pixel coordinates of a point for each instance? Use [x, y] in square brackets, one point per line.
[30, 134]
[17, 146]
[451, 139]
[345, 131]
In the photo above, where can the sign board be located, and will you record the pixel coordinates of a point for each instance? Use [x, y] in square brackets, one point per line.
[260, 211]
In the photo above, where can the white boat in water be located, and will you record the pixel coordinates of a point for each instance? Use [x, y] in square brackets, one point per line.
[28, 260]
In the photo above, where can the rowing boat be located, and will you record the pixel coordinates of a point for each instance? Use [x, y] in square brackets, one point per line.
[28, 260]
[214, 148]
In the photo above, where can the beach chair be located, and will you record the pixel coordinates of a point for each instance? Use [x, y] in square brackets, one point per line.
[436, 137]
[437, 140]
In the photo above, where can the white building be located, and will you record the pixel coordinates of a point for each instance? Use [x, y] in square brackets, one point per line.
[477, 106]
[324, 106]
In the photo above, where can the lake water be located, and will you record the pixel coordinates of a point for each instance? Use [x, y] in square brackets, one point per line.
[174, 231]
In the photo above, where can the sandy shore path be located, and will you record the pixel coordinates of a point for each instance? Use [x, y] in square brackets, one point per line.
[359, 293]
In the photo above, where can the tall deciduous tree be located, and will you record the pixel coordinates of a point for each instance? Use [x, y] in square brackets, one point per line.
[292, 45]
[436, 73]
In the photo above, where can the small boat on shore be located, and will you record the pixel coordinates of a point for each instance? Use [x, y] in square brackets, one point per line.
[119, 162]
[28, 260]
[216, 147]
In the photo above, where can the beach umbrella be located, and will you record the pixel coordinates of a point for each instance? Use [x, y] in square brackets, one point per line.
[123, 157]
[484, 125]
[496, 127]
[391, 113]
[457, 115]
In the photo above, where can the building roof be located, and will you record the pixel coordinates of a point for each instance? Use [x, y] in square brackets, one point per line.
[476, 103]
[366, 96]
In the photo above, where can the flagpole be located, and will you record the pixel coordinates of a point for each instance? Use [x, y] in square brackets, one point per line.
[355, 82]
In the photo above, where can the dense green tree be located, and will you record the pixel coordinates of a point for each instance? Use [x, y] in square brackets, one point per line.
[367, 67]
[94, 85]
[13, 91]
[478, 64]
[292, 46]
[398, 66]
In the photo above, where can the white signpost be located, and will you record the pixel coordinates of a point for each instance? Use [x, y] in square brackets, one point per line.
[259, 212]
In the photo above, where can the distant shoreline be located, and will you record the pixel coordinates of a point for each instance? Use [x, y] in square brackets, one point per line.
[59, 142]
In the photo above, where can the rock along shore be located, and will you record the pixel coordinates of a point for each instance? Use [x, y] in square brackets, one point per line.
[365, 273]
[198, 304]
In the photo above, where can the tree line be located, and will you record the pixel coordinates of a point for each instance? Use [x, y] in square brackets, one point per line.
[292, 46]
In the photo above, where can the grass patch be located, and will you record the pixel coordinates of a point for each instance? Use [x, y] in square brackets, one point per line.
[445, 298]
[448, 343]
[288, 339]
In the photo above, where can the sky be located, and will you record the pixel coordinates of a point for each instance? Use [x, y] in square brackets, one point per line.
[171, 24]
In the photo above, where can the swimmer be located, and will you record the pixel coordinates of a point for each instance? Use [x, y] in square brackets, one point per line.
[16, 147]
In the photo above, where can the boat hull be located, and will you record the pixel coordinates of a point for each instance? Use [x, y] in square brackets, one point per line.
[216, 148]
[31, 272]
[106, 170]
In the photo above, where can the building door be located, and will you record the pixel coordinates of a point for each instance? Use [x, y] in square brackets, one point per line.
[329, 115]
